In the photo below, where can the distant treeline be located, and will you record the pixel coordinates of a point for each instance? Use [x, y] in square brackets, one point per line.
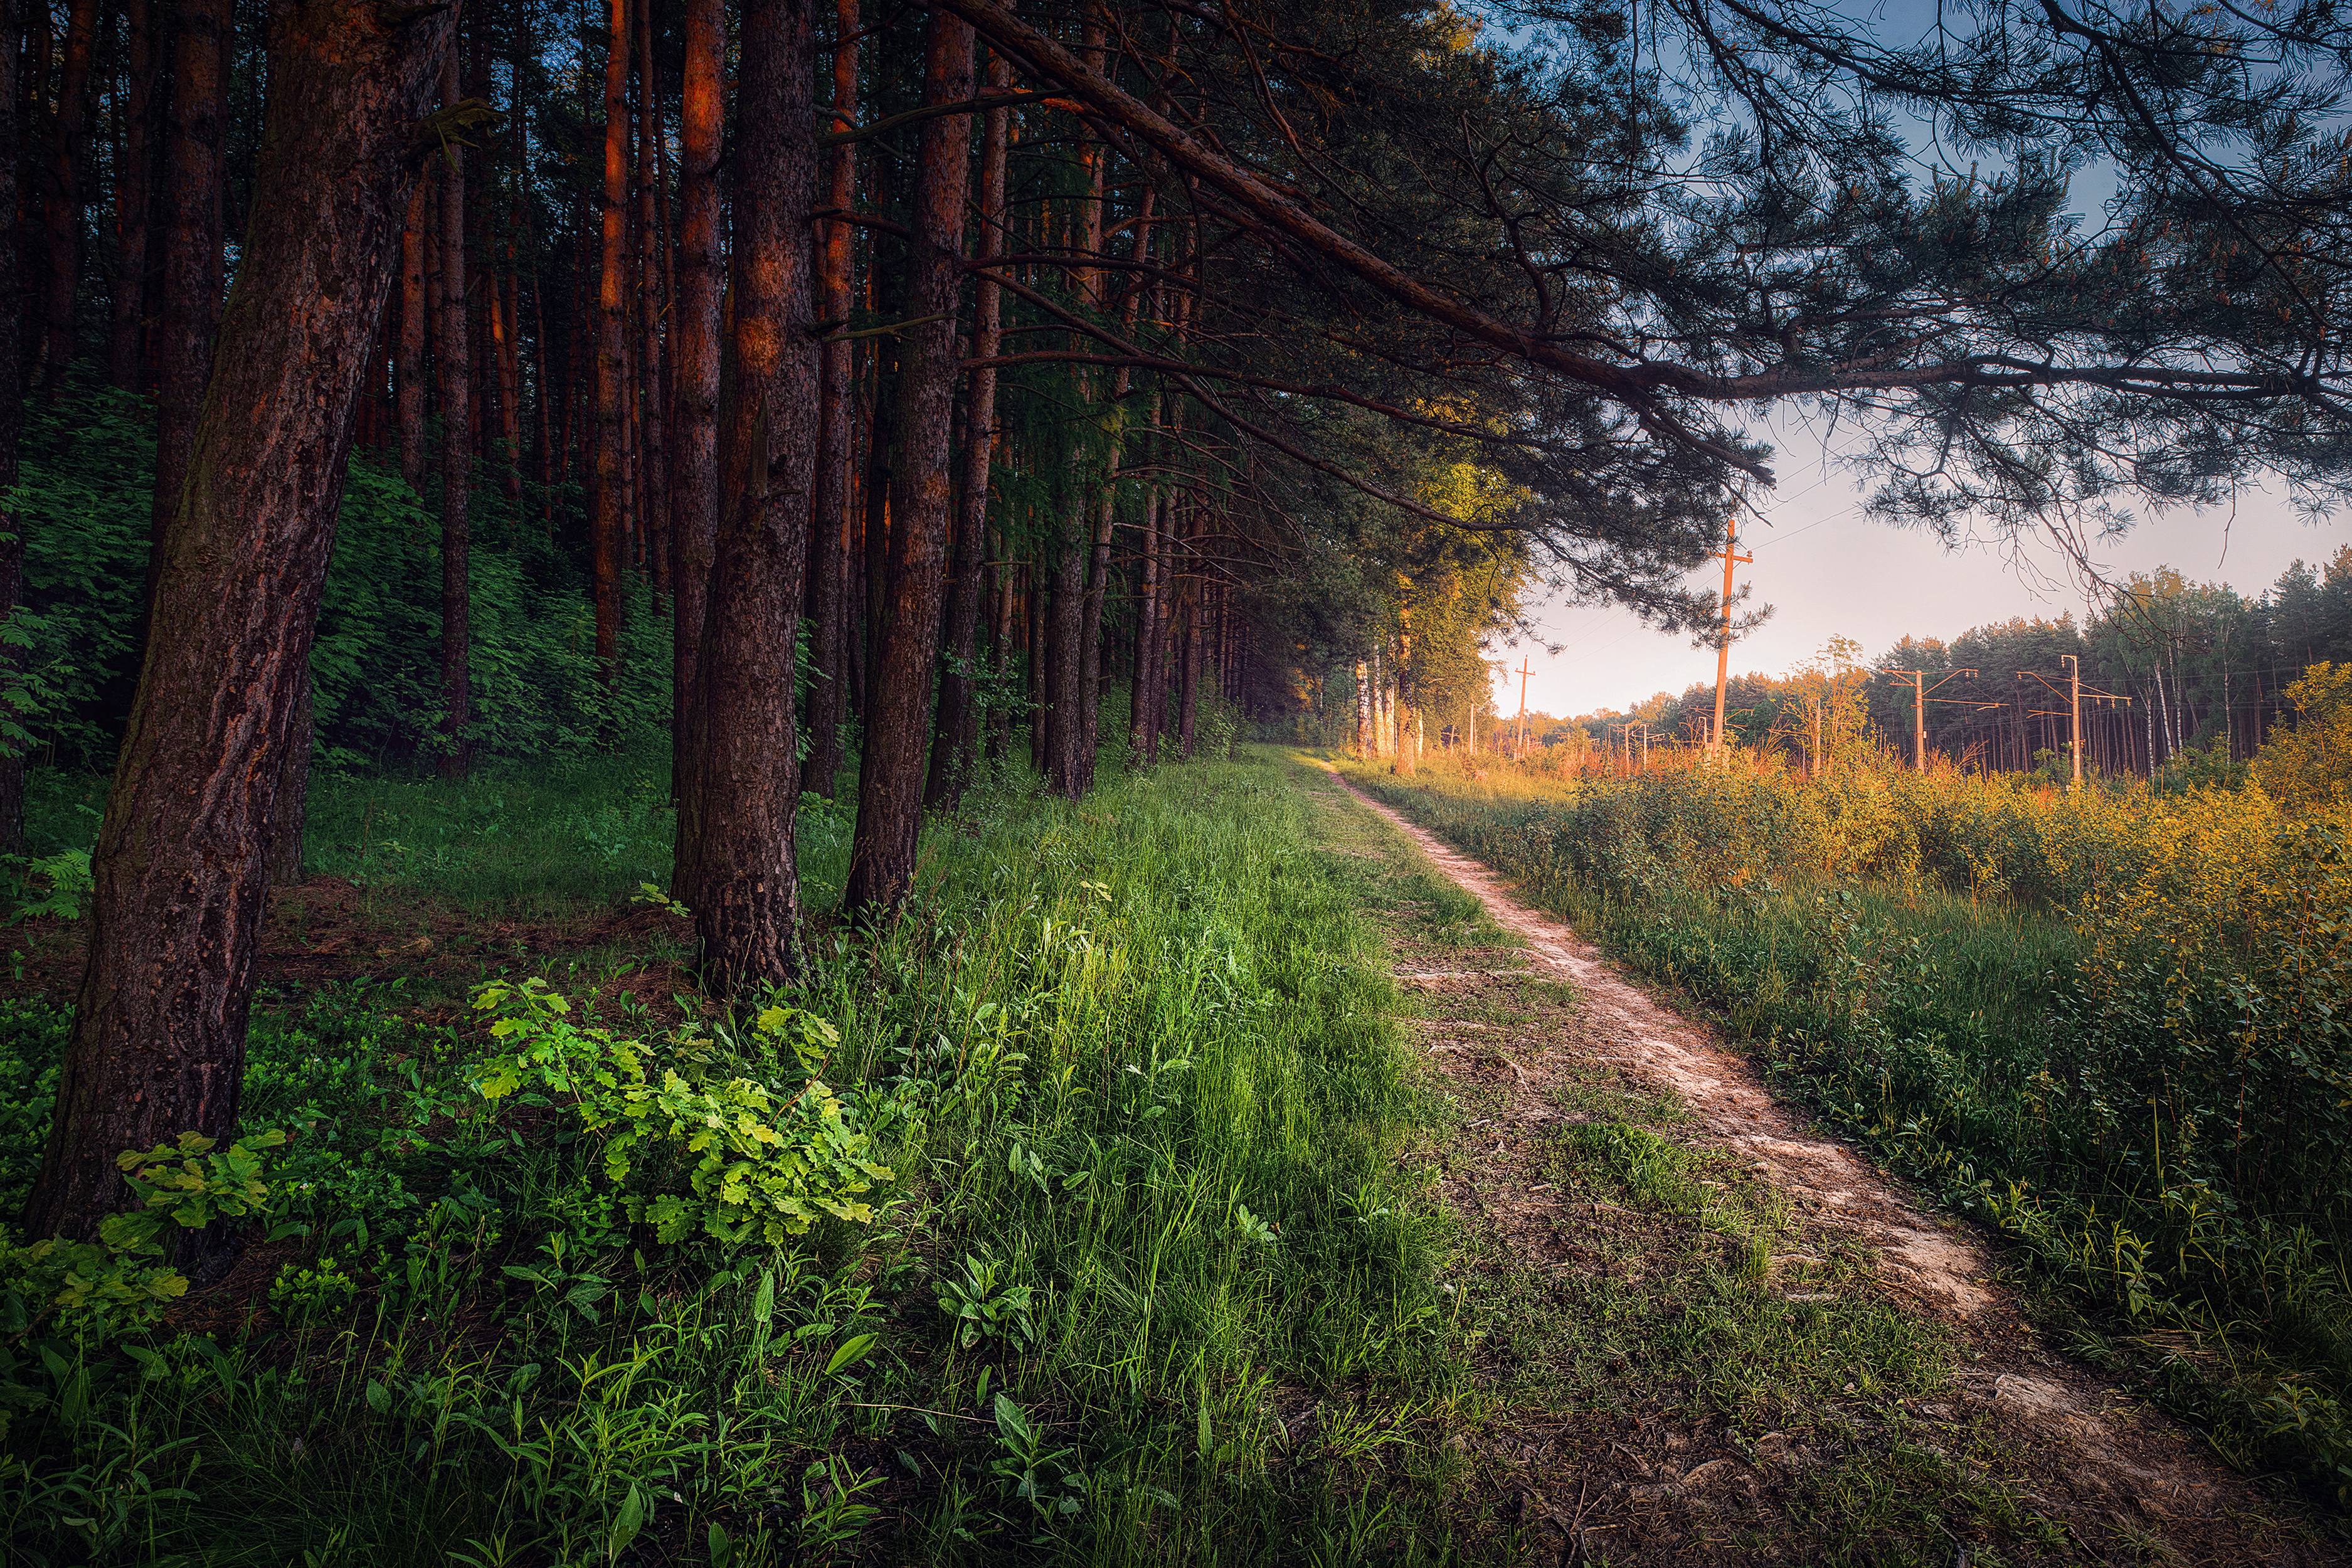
[2190, 667]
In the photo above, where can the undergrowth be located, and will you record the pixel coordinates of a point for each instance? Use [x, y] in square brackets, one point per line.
[2116, 1027]
[1085, 1170]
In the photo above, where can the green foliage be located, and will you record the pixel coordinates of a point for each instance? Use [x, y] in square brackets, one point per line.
[84, 507]
[189, 1185]
[767, 1163]
[62, 880]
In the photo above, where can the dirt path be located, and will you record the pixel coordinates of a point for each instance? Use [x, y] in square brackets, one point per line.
[2122, 1482]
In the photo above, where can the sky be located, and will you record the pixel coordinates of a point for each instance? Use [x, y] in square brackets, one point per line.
[1830, 572]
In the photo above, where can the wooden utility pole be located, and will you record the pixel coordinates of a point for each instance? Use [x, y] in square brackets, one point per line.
[2074, 696]
[1920, 692]
[1521, 743]
[1723, 641]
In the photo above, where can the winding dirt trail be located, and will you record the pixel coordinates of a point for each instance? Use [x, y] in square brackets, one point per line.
[2109, 1456]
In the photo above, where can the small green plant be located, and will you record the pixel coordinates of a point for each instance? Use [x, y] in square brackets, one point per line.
[305, 1293]
[1023, 1458]
[982, 1305]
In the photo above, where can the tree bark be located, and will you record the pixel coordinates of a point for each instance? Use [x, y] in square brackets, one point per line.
[739, 815]
[61, 203]
[158, 1040]
[455, 362]
[906, 639]
[955, 746]
[1189, 678]
[694, 495]
[1139, 730]
[134, 198]
[291, 815]
[829, 507]
[609, 525]
[653, 422]
[409, 369]
[191, 273]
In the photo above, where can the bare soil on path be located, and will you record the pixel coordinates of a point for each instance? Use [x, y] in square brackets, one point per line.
[2040, 1461]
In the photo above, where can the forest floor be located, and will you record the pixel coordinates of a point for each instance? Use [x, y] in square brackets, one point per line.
[1724, 1336]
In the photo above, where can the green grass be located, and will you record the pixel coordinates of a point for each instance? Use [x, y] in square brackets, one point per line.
[1151, 1282]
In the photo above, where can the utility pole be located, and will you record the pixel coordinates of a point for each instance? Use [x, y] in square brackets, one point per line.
[2074, 696]
[1918, 682]
[2074, 713]
[1520, 745]
[1723, 643]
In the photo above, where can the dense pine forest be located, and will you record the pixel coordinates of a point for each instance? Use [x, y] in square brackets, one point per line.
[690, 699]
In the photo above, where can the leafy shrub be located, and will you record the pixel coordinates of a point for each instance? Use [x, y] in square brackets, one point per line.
[766, 1162]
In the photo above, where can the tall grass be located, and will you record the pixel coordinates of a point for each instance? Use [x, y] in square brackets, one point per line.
[1147, 1282]
[2114, 1025]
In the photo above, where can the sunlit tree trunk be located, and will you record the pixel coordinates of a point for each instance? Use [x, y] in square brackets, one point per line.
[158, 1041]
[906, 639]
[652, 306]
[694, 495]
[745, 780]
[609, 525]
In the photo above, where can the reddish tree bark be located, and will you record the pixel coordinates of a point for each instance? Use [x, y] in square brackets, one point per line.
[907, 641]
[158, 1040]
[652, 419]
[505, 305]
[737, 814]
[455, 362]
[609, 525]
[134, 198]
[191, 272]
[829, 507]
[61, 203]
[694, 495]
[954, 748]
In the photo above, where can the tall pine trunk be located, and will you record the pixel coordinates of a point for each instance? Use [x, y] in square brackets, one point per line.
[62, 202]
[694, 495]
[829, 507]
[408, 370]
[134, 198]
[451, 355]
[922, 495]
[158, 1041]
[955, 747]
[191, 273]
[737, 814]
[609, 526]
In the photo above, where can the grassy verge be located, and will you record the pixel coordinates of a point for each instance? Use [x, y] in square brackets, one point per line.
[2045, 1075]
[1135, 1273]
